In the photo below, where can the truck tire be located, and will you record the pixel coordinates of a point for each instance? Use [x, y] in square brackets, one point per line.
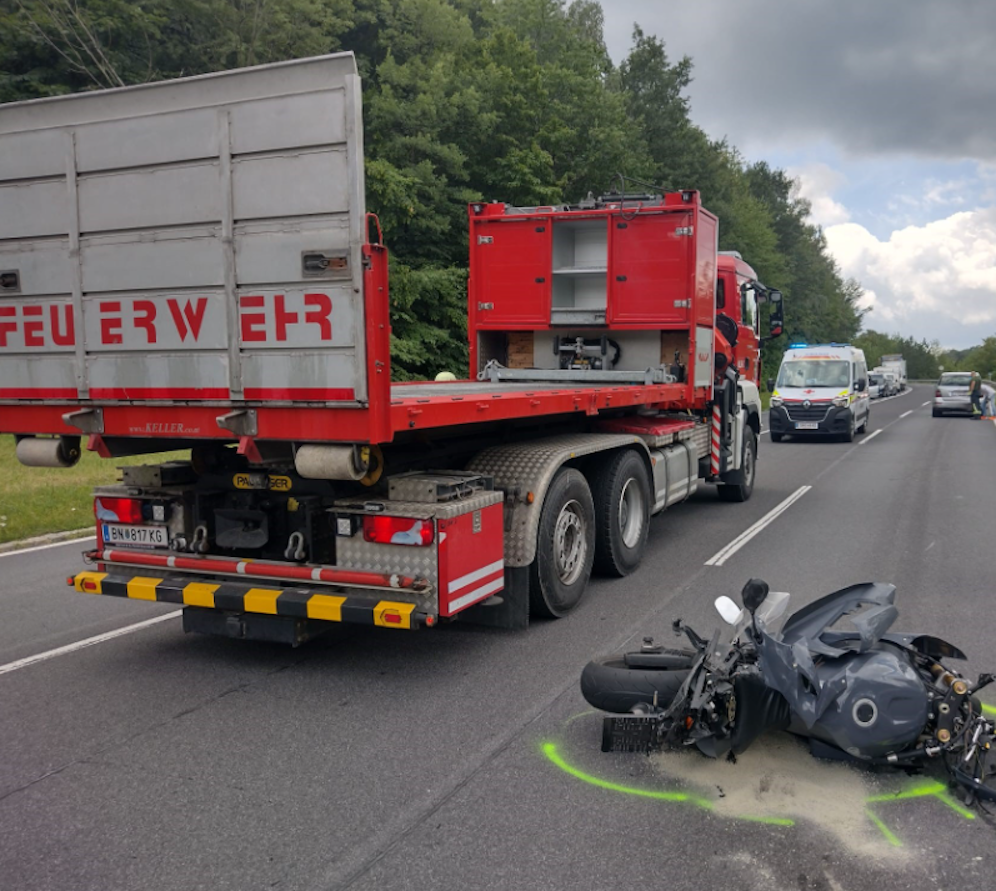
[622, 495]
[742, 491]
[565, 546]
[612, 686]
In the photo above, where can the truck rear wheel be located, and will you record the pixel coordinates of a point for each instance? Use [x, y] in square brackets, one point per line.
[565, 546]
[621, 492]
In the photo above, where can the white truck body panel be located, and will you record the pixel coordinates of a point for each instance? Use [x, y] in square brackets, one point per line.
[154, 239]
[897, 365]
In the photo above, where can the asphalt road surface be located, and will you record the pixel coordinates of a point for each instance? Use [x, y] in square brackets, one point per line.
[464, 758]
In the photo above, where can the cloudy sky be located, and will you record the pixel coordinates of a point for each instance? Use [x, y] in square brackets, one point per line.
[884, 111]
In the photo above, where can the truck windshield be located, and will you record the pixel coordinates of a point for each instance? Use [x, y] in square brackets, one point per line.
[814, 373]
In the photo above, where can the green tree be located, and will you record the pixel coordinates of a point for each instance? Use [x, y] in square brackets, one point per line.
[509, 100]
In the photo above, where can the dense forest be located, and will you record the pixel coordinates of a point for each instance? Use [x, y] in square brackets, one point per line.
[511, 100]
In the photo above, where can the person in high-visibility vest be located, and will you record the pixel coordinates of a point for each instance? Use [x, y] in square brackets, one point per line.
[975, 394]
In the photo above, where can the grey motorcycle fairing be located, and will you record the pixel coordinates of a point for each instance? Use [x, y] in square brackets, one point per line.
[809, 623]
[856, 689]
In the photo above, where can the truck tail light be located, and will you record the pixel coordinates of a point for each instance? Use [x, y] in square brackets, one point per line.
[398, 530]
[118, 510]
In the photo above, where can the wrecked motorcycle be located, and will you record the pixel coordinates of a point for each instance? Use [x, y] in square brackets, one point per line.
[857, 693]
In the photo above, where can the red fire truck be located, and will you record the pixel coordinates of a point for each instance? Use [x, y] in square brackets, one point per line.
[190, 265]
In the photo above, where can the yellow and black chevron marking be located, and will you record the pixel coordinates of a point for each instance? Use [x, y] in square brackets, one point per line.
[301, 603]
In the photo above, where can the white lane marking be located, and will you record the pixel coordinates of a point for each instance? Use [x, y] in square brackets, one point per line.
[45, 547]
[905, 413]
[926, 403]
[929, 546]
[879, 399]
[89, 642]
[765, 430]
[870, 436]
[720, 557]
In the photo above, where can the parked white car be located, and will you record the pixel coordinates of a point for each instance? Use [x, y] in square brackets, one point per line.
[876, 384]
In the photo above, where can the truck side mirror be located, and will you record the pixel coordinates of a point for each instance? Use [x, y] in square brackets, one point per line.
[777, 317]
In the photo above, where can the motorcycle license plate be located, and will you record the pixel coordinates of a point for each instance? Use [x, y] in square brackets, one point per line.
[140, 536]
[807, 425]
[632, 733]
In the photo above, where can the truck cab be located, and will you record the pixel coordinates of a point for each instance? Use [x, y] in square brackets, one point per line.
[739, 296]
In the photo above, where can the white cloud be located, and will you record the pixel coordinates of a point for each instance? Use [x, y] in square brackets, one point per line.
[816, 183]
[936, 281]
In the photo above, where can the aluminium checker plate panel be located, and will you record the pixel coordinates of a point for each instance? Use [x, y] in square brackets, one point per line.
[355, 553]
[531, 467]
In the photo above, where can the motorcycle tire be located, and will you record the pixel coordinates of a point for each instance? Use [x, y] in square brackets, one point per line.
[612, 686]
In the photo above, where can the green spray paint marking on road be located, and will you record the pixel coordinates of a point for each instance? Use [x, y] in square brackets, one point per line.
[889, 836]
[550, 750]
[926, 790]
[770, 821]
[930, 789]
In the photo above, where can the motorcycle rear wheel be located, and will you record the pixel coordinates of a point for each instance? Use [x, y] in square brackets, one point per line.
[612, 686]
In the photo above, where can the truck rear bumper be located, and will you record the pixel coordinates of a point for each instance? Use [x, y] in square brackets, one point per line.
[236, 598]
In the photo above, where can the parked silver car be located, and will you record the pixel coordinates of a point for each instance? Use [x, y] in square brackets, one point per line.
[951, 393]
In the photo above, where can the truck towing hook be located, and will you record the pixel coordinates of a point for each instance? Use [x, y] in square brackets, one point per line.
[199, 543]
[295, 547]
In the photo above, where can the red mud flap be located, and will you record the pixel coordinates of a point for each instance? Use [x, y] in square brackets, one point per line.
[234, 597]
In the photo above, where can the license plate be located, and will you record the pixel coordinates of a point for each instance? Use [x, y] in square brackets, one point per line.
[141, 536]
[807, 425]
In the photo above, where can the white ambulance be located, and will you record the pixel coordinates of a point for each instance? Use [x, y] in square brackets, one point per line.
[820, 389]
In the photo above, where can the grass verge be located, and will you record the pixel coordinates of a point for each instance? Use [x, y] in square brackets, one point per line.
[38, 500]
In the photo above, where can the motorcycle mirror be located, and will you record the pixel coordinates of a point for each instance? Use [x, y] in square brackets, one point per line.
[728, 610]
[753, 594]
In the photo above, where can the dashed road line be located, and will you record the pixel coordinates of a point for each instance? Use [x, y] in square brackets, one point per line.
[905, 413]
[720, 557]
[870, 436]
[89, 642]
